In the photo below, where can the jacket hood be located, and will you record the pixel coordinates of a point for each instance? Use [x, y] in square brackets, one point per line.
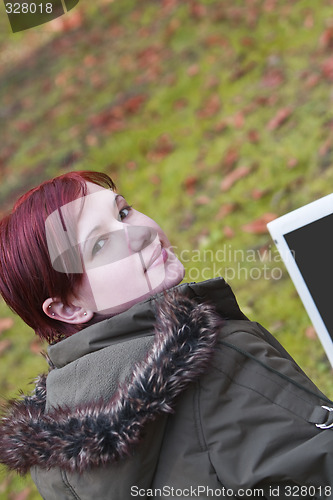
[140, 319]
[103, 432]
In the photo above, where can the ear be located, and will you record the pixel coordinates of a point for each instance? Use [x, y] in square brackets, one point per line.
[55, 309]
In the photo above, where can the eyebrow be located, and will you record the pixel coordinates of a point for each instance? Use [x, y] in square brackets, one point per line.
[95, 228]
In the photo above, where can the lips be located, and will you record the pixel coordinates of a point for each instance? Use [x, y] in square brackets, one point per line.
[158, 256]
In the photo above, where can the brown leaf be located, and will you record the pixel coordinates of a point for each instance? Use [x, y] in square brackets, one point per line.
[253, 136]
[67, 22]
[259, 226]
[292, 163]
[193, 70]
[326, 38]
[327, 68]
[190, 184]
[24, 125]
[280, 118]
[312, 81]
[134, 103]
[228, 232]
[234, 176]
[257, 193]
[216, 40]
[225, 210]
[230, 158]
[36, 346]
[238, 120]
[273, 78]
[211, 107]
[5, 324]
[197, 10]
[163, 148]
[202, 200]
[311, 333]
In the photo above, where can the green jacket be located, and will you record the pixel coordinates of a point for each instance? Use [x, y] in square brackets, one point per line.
[181, 396]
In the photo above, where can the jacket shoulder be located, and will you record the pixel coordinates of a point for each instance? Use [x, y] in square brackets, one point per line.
[247, 344]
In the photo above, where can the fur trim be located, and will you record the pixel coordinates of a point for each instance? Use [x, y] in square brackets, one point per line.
[100, 433]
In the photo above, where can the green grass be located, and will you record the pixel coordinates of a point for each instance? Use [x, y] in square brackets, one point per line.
[210, 80]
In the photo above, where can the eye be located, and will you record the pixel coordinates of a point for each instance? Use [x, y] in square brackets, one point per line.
[123, 213]
[98, 246]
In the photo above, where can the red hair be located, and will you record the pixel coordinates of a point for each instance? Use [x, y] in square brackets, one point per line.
[27, 277]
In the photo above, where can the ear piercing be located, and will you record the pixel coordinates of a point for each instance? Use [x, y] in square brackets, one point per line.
[53, 314]
[50, 306]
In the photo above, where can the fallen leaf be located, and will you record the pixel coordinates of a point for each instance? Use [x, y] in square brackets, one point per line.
[134, 103]
[310, 332]
[155, 179]
[230, 158]
[279, 119]
[259, 226]
[326, 38]
[190, 184]
[228, 232]
[257, 193]
[180, 103]
[312, 81]
[309, 21]
[36, 346]
[225, 210]
[216, 40]
[241, 71]
[24, 125]
[193, 70]
[238, 120]
[163, 148]
[5, 324]
[292, 162]
[202, 200]
[234, 176]
[253, 136]
[67, 22]
[197, 10]
[272, 78]
[211, 107]
[327, 68]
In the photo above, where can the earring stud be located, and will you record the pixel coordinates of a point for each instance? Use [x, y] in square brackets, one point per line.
[53, 314]
[84, 314]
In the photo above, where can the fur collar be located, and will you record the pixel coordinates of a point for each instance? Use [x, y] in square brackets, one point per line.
[100, 433]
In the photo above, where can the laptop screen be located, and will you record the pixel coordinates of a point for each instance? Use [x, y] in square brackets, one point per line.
[312, 249]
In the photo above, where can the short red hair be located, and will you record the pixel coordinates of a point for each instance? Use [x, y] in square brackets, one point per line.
[27, 277]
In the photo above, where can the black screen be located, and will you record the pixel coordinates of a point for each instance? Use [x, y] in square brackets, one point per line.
[312, 249]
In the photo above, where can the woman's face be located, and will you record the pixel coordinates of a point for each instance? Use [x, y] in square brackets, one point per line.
[126, 255]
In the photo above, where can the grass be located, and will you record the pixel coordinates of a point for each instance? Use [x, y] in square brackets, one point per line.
[170, 98]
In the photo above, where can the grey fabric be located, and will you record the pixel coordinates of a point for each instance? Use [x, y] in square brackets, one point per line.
[95, 376]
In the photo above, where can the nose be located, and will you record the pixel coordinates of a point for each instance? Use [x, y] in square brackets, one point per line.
[139, 237]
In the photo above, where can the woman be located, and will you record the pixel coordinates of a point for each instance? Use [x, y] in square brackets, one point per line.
[155, 389]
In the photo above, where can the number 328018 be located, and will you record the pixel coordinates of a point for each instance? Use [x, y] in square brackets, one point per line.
[28, 8]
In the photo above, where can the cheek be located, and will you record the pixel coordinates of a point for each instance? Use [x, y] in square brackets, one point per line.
[116, 284]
